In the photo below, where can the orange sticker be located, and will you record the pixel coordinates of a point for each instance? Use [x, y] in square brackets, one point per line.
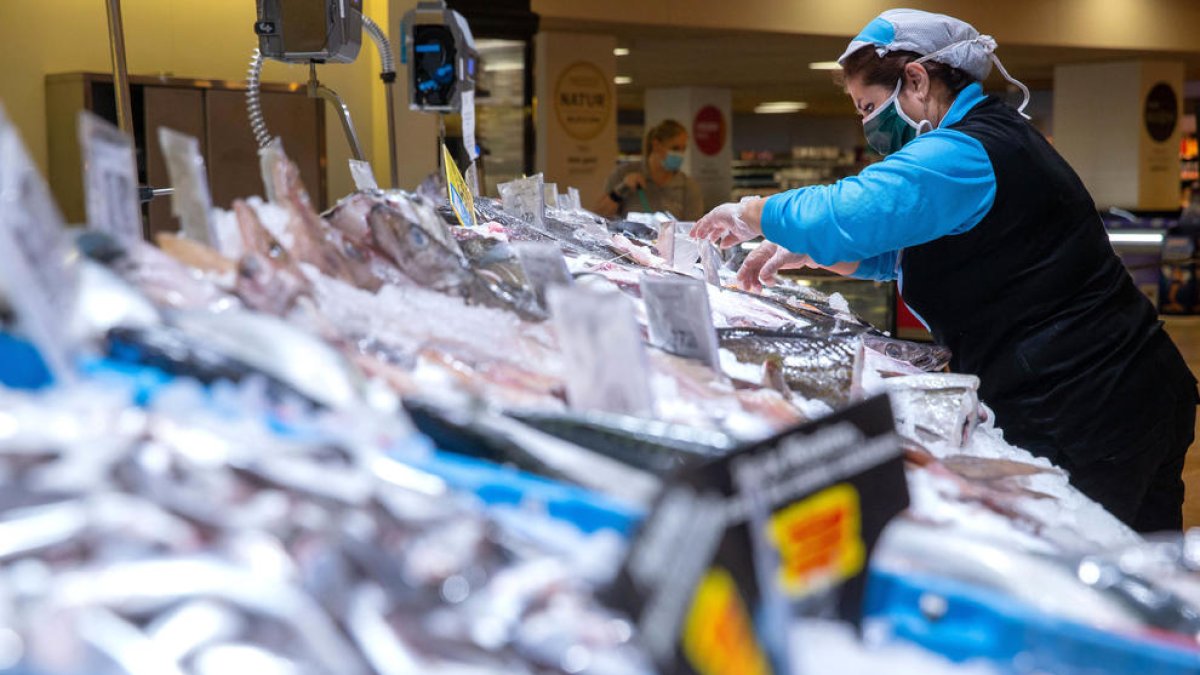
[718, 636]
[819, 541]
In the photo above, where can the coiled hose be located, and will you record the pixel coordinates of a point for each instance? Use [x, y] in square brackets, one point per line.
[258, 123]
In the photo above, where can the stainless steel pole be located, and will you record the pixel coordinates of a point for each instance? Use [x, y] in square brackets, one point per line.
[116, 38]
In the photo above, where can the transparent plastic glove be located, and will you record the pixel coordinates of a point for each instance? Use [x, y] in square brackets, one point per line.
[726, 225]
[763, 265]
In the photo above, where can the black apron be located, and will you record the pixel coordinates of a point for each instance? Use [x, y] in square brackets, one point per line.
[1033, 300]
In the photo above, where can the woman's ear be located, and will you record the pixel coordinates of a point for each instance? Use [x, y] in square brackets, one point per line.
[918, 79]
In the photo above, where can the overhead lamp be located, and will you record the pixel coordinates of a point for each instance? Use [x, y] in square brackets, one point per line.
[623, 79]
[621, 51]
[779, 107]
[825, 65]
[503, 66]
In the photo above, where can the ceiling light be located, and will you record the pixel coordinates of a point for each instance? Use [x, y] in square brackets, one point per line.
[503, 66]
[623, 79]
[825, 65]
[779, 107]
[1155, 238]
[621, 51]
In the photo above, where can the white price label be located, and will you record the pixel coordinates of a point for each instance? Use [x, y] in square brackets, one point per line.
[576, 200]
[710, 259]
[599, 336]
[680, 318]
[666, 242]
[363, 175]
[468, 125]
[110, 180]
[41, 282]
[544, 267]
[525, 199]
[192, 200]
[551, 195]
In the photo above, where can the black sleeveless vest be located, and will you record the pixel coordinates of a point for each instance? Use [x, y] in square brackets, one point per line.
[1035, 301]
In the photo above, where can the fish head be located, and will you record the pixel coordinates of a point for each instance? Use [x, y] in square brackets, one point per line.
[926, 356]
[417, 254]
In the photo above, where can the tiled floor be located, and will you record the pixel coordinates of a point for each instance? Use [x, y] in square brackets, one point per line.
[1186, 333]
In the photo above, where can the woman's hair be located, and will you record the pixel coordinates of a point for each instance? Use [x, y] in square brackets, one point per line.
[662, 132]
[887, 70]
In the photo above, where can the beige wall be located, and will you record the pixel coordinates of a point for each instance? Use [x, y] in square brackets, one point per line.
[184, 38]
[1127, 24]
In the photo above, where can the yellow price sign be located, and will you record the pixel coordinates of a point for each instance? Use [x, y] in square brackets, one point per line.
[819, 540]
[457, 191]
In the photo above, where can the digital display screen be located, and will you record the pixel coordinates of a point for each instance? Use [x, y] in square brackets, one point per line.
[428, 49]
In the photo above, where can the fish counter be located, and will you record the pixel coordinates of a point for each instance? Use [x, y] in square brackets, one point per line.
[393, 439]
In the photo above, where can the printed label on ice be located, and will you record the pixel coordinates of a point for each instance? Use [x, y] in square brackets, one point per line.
[600, 339]
[41, 282]
[192, 200]
[680, 318]
[363, 175]
[666, 242]
[110, 179]
[461, 200]
[526, 199]
[710, 259]
[544, 267]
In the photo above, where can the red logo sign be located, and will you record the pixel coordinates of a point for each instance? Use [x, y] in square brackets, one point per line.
[710, 130]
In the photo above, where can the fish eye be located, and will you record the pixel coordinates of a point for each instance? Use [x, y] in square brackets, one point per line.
[418, 237]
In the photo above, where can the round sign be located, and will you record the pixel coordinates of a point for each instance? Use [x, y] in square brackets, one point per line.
[583, 101]
[1161, 112]
[709, 130]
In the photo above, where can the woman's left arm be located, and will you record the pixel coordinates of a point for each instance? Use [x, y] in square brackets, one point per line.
[939, 184]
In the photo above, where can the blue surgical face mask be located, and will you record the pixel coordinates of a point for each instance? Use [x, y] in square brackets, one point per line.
[673, 161]
[888, 129]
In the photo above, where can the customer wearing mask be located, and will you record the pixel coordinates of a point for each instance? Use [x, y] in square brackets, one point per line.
[657, 183]
[997, 246]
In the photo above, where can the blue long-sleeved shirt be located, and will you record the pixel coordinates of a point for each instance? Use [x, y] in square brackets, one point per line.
[941, 183]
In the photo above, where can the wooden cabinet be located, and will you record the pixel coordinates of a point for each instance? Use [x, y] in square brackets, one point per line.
[212, 111]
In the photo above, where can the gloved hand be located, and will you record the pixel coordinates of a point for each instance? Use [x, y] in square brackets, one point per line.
[762, 266]
[726, 225]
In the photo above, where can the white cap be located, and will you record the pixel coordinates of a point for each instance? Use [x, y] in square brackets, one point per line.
[942, 38]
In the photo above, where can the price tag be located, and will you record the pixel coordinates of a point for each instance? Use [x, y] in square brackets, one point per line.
[544, 267]
[468, 125]
[363, 175]
[551, 195]
[192, 200]
[576, 200]
[666, 243]
[40, 281]
[680, 318]
[526, 199]
[793, 519]
[269, 158]
[110, 179]
[461, 200]
[710, 260]
[600, 339]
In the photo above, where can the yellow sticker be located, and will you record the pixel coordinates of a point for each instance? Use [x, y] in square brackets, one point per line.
[819, 541]
[461, 199]
[718, 636]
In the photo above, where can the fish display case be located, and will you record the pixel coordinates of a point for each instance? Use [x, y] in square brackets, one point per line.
[378, 439]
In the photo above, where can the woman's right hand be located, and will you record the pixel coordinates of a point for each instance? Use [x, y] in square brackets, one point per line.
[633, 182]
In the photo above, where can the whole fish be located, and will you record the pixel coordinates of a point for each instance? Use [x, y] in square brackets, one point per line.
[815, 364]
[268, 278]
[431, 264]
